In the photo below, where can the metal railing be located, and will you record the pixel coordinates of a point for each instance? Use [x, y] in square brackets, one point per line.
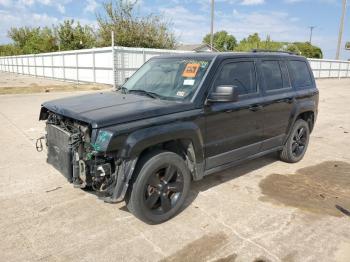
[96, 65]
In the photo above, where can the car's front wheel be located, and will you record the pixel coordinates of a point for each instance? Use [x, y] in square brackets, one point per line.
[160, 187]
[297, 142]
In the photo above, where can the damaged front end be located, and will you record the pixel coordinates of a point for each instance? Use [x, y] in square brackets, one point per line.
[79, 153]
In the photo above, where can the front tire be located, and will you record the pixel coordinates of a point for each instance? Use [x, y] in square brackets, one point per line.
[160, 187]
[297, 142]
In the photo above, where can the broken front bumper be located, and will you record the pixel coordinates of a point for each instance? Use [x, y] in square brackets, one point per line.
[65, 159]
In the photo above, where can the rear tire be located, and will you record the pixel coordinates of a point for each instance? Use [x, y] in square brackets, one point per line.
[297, 142]
[160, 187]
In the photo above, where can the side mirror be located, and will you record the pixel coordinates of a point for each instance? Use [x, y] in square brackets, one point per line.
[223, 93]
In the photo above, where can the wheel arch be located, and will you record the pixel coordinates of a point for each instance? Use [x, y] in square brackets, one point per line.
[309, 117]
[183, 138]
[306, 110]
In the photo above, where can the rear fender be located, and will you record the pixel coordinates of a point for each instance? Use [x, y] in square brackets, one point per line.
[301, 107]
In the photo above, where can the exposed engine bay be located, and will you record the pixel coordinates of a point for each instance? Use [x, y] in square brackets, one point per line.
[71, 151]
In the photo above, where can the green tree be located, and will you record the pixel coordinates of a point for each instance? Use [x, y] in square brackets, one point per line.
[33, 40]
[9, 49]
[292, 48]
[130, 30]
[72, 36]
[308, 50]
[268, 44]
[301, 48]
[251, 42]
[222, 41]
[254, 38]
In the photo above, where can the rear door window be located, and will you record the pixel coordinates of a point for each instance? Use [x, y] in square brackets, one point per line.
[272, 74]
[240, 74]
[300, 74]
[285, 75]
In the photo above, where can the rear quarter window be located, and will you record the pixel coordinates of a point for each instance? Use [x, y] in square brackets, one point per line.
[300, 74]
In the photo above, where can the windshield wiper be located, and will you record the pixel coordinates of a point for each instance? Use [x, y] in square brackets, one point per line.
[123, 89]
[150, 94]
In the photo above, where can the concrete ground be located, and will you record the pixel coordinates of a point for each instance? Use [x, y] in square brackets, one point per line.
[11, 83]
[262, 210]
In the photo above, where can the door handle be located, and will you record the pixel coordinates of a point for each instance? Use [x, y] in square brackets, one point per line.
[285, 100]
[255, 108]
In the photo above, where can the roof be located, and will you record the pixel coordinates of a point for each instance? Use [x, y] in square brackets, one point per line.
[210, 55]
[194, 47]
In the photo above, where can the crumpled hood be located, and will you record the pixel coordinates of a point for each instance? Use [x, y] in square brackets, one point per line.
[111, 108]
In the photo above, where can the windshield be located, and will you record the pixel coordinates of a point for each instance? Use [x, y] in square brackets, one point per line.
[168, 78]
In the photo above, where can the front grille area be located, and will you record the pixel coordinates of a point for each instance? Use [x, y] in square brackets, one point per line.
[59, 152]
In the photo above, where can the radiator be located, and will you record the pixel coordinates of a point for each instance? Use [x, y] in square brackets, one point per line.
[59, 152]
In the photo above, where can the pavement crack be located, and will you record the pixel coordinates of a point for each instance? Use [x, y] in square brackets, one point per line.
[240, 236]
[250, 241]
[281, 228]
[156, 248]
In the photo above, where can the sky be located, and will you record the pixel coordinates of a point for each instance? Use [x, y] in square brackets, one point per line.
[283, 20]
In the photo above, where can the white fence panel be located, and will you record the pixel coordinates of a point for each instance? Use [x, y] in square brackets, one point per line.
[96, 65]
[70, 74]
[104, 76]
[103, 59]
[323, 68]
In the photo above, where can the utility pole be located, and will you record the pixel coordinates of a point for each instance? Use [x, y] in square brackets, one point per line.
[212, 26]
[341, 27]
[113, 62]
[311, 29]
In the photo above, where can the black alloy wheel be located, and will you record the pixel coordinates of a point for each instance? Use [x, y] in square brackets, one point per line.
[297, 142]
[163, 189]
[159, 187]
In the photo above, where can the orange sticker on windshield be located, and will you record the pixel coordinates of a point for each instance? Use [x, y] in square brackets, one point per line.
[191, 70]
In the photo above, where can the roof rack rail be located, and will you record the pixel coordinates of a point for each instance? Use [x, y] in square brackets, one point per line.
[272, 51]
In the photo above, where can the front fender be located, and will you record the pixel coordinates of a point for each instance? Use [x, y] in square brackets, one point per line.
[142, 139]
[139, 140]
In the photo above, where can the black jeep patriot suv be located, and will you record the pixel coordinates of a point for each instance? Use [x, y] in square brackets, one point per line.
[177, 119]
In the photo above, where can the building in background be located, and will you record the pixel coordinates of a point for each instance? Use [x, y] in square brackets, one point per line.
[196, 48]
